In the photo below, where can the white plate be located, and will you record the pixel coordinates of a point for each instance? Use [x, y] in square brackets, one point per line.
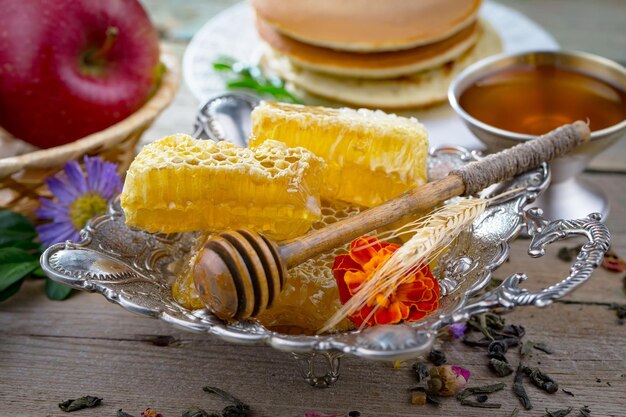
[232, 33]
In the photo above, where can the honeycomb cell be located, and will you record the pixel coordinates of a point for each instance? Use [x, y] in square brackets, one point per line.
[370, 156]
[310, 295]
[179, 184]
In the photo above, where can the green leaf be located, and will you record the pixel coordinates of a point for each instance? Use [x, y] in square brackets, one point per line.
[56, 291]
[224, 63]
[12, 272]
[243, 83]
[28, 245]
[39, 273]
[218, 66]
[241, 75]
[11, 220]
[11, 290]
[15, 255]
[12, 237]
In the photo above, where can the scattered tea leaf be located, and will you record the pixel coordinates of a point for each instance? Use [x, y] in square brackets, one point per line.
[584, 412]
[620, 310]
[495, 329]
[224, 395]
[500, 368]
[484, 389]
[160, 340]
[481, 398]
[542, 346]
[541, 380]
[121, 413]
[512, 331]
[80, 403]
[239, 409]
[494, 283]
[354, 414]
[526, 348]
[568, 392]
[433, 398]
[437, 357]
[198, 412]
[515, 412]
[421, 371]
[487, 323]
[558, 413]
[485, 342]
[519, 390]
[497, 349]
[477, 404]
[568, 254]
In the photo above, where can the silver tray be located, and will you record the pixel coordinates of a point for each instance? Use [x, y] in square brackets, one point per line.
[135, 270]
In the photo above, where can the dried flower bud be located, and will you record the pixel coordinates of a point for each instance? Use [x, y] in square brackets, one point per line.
[418, 397]
[457, 330]
[447, 380]
[612, 262]
[149, 412]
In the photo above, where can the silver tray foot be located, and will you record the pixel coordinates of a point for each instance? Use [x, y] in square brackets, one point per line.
[328, 361]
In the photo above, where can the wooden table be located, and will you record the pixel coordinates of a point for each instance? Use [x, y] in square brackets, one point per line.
[52, 351]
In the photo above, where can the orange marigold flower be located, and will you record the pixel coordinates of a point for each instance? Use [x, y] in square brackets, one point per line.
[413, 300]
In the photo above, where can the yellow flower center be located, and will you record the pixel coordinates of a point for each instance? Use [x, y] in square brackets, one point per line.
[85, 207]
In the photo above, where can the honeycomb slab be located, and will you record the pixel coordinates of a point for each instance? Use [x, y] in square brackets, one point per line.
[310, 296]
[371, 156]
[180, 184]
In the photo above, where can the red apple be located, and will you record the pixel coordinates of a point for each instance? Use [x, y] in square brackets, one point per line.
[69, 68]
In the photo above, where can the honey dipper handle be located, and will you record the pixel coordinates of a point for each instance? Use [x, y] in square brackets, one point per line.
[419, 199]
[464, 181]
[510, 162]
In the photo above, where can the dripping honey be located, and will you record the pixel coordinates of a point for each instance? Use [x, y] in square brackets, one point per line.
[536, 99]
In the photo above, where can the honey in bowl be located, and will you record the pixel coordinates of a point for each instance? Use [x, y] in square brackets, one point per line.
[534, 100]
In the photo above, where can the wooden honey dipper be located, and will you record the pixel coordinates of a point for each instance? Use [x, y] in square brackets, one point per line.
[240, 273]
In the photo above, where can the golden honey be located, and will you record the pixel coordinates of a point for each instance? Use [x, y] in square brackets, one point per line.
[180, 184]
[370, 156]
[537, 99]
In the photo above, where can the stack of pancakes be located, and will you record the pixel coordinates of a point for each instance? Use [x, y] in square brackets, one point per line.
[373, 53]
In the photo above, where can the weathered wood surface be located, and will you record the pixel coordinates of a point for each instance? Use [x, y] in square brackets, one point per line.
[52, 351]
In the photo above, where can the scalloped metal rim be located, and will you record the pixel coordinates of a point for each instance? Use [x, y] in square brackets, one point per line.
[253, 333]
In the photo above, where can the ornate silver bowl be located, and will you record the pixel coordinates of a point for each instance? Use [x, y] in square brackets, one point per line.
[135, 270]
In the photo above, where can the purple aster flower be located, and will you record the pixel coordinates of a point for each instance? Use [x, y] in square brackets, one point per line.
[79, 197]
[457, 330]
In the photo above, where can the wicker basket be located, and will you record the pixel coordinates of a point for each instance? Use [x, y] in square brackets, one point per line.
[22, 177]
